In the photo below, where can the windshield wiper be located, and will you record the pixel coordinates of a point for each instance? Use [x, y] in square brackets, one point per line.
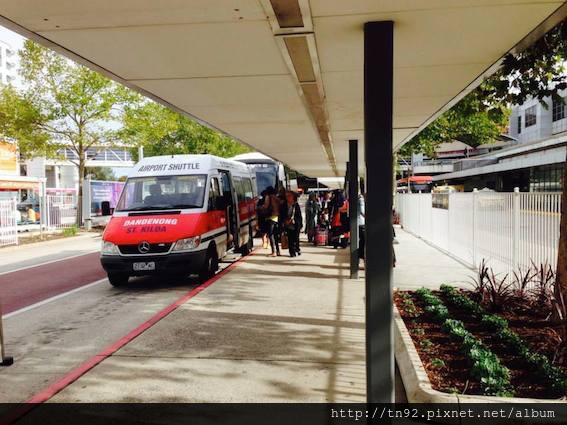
[186, 206]
[149, 208]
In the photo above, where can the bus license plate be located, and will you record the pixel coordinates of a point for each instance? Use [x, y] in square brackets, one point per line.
[141, 267]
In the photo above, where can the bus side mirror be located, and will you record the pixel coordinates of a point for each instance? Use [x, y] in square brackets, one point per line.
[105, 207]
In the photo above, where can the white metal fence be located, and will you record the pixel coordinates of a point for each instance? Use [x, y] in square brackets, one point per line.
[508, 230]
[8, 222]
[61, 211]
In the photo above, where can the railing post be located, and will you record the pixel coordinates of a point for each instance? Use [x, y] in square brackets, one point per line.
[474, 225]
[516, 227]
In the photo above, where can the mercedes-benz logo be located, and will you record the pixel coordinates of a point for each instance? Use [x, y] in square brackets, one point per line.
[144, 247]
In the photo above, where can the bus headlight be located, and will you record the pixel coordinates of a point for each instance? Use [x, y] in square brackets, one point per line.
[187, 244]
[108, 248]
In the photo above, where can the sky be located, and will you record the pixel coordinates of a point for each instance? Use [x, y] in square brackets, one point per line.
[11, 37]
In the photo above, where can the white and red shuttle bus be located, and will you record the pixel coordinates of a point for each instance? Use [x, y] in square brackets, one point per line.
[179, 215]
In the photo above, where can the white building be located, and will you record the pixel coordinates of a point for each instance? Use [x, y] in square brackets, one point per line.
[533, 161]
[8, 64]
[532, 121]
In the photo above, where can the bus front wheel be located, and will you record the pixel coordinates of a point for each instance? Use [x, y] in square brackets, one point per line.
[118, 279]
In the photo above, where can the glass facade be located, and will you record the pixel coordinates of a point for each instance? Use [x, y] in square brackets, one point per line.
[547, 178]
[558, 109]
[531, 116]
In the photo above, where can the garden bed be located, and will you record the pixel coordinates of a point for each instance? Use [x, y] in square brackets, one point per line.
[470, 346]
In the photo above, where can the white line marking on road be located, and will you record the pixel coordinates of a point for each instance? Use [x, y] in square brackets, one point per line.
[48, 262]
[54, 298]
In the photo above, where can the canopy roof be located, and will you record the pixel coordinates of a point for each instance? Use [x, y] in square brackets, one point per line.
[286, 76]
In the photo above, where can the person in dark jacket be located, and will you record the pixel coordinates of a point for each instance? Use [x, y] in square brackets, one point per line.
[292, 223]
[312, 211]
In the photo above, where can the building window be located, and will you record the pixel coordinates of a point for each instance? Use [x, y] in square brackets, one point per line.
[530, 116]
[519, 124]
[559, 109]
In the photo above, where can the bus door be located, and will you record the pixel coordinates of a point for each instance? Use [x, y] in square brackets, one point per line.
[231, 206]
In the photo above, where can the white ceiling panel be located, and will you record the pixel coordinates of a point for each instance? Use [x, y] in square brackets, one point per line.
[70, 14]
[178, 51]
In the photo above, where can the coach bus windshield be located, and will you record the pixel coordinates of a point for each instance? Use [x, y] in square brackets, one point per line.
[163, 193]
[266, 175]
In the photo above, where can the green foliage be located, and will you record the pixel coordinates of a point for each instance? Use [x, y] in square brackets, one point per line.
[459, 300]
[471, 121]
[70, 231]
[486, 367]
[101, 173]
[437, 363]
[434, 305]
[408, 305]
[552, 374]
[162, 131]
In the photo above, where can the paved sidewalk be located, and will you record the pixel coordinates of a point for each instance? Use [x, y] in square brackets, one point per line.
[420, 264]
[270, 330]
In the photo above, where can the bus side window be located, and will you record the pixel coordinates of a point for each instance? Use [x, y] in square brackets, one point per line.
[241, 191]
[249, 192]
[214, 195]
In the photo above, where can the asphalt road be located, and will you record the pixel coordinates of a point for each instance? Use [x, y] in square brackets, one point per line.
[59, 311]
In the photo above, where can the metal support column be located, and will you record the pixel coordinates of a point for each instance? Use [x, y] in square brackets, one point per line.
[353, 206]
[378, 81]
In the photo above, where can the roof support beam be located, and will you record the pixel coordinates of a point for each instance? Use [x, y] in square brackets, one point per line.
[292, 26]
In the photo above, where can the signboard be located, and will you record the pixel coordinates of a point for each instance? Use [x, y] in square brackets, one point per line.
[104, 191]
[8, 158]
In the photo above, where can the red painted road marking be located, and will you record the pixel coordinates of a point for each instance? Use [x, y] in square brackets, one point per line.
[25, 287]
[76, 373]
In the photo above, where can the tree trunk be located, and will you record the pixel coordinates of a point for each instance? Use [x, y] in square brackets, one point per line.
[562, 251]
[80, 191]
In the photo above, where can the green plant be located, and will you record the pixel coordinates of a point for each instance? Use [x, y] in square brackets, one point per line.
[459, 300]
[498, 290]
[480, 280]
[70, 231]
[544, 280]
[408, 305]
[486, 367]
[418, 331]
[494, 322]
[521, 282]
[437, 363]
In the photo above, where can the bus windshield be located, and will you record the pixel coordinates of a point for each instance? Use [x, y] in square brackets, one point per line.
[163, 193]
[266, 176]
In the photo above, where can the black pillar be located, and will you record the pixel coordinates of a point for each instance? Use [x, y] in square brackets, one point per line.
[353, 206]
[378, 80]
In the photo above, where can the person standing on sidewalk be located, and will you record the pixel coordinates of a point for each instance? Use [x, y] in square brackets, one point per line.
[292, 223]
[312, 211]
[271, 209]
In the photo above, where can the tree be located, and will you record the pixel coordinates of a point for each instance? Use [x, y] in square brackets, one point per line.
[101, 173]
[472, 121]
[62, 104]
[162, 131]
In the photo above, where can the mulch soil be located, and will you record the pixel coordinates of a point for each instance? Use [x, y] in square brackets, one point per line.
[531, 324]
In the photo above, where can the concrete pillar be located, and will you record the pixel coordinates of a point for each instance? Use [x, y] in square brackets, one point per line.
[378, 92]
